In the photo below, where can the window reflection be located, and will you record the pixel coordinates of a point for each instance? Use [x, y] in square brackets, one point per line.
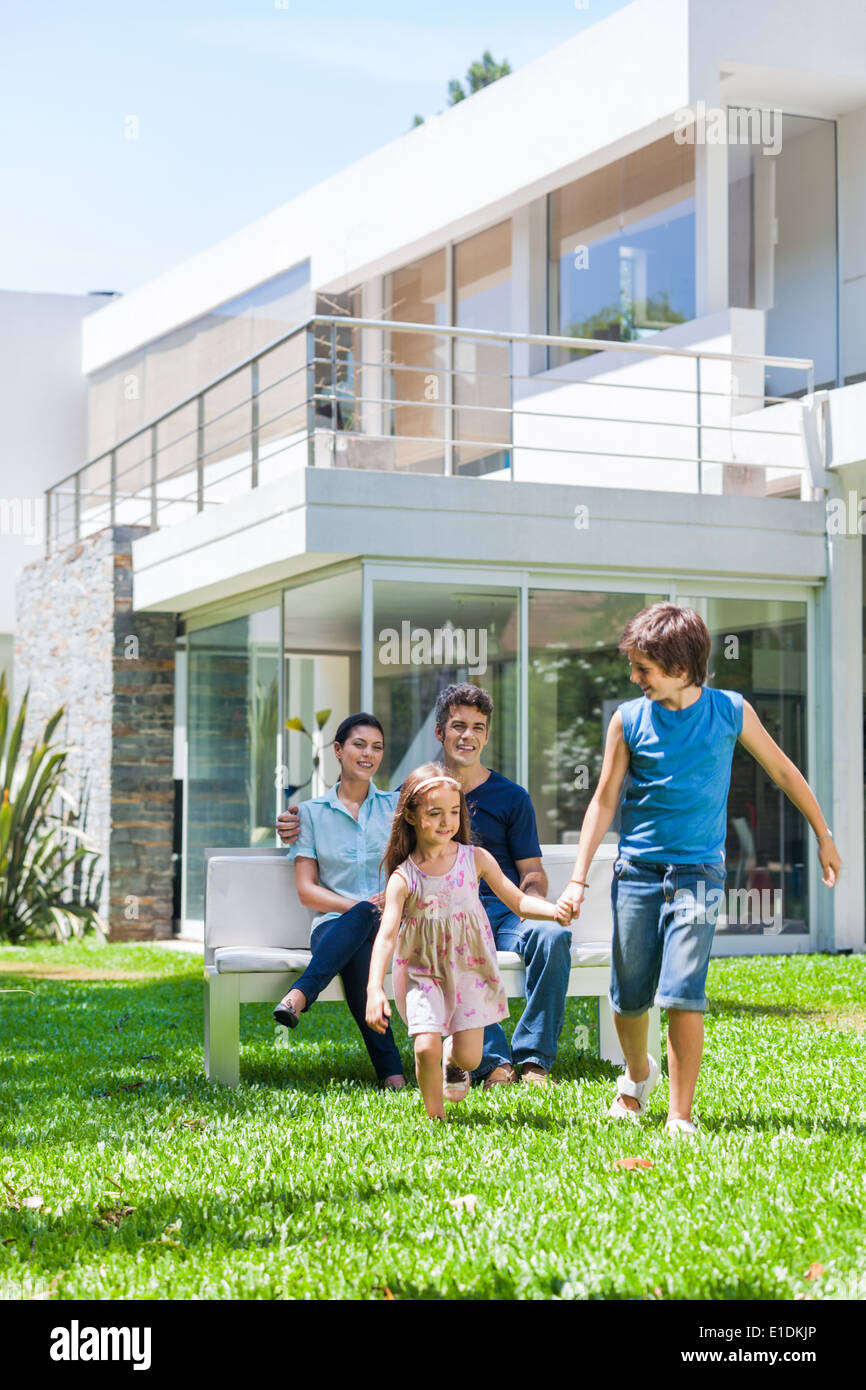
[622, 247]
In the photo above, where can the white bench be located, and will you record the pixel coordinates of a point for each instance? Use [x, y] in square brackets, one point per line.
[257, 943]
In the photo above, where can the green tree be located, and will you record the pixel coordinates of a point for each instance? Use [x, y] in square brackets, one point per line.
[480, 74]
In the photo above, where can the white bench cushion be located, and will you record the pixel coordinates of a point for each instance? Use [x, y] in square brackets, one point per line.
[235, 960]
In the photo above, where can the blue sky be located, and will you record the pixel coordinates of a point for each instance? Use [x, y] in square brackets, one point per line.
[236, 106]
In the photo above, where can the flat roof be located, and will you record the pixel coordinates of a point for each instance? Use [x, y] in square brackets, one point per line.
[610, 89]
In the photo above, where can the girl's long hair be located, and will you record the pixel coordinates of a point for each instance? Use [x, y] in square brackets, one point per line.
[403, 838]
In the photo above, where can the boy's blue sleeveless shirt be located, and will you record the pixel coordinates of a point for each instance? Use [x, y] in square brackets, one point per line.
[674, 808]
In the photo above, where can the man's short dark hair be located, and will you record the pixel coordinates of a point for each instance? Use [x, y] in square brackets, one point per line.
[464, 694]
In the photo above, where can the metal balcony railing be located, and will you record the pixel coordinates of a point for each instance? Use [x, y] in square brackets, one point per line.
[415, 398]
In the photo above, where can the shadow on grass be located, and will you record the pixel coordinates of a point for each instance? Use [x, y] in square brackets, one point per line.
[851, 1019]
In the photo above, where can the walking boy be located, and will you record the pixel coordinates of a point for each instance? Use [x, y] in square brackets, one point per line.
[676, 742]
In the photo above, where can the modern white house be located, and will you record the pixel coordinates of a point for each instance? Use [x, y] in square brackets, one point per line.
[593, 337]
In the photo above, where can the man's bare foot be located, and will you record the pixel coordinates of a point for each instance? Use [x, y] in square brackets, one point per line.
[397, 1082]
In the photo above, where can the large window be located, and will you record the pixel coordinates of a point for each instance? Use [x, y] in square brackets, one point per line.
[482, 370]
[418, 293]
[427, 636]
[451, 397]
[622, 247]
[577, 678]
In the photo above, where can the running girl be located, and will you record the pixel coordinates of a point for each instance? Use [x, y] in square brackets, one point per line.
[446, 978]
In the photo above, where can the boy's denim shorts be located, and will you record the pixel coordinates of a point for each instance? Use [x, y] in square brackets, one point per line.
[664, 916]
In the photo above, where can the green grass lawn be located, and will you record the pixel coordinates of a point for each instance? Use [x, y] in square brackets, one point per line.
[308, 1182]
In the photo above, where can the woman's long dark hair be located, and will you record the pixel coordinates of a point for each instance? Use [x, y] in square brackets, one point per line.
[403, 838]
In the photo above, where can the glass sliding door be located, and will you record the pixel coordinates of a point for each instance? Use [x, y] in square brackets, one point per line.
[427, 636]
[322, 679]
[759, 649]
[577, 678]
[233, 741]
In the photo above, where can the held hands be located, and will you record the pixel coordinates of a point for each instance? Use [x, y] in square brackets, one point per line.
[377, 899]
[378, 1009]
[289, 825]
[562, 912]
[570, 902]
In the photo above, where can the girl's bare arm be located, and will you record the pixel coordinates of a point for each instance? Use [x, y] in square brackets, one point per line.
[378, 1008]
[524, 904]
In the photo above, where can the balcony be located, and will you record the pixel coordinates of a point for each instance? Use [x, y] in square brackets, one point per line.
[407, 398]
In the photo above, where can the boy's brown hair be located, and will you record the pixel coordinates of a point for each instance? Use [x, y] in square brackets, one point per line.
[403, 838]
[674, 638]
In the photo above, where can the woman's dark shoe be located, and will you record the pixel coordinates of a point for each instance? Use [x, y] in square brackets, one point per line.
[285, 1014]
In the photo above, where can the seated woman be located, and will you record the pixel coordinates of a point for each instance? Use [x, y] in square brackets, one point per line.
[337, 859]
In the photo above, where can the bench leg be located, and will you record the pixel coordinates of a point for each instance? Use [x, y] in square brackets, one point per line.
[608, 1043]
[222, 1029]
[609, 1049]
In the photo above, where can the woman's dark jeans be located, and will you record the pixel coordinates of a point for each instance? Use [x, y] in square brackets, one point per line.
[343, 946]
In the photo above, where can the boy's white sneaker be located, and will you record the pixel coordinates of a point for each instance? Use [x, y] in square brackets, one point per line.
[687, 1128]
[639, 1090]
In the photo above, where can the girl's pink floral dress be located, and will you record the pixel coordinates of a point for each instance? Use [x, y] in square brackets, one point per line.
[445, 974]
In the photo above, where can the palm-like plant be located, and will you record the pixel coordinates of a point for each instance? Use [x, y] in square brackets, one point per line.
[37, 861]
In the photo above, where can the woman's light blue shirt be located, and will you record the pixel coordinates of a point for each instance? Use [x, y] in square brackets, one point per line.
[348, 851]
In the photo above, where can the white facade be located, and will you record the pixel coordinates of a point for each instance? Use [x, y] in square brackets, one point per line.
[44, 426]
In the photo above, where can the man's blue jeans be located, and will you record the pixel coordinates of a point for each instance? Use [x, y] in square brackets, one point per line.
[343, 946]
[546, 951]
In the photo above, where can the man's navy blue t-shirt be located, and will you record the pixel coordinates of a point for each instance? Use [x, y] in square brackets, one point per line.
[503, 822]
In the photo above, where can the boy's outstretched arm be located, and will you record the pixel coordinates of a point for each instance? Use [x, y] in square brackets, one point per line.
[378, 1008]
[788, 777]
[600, 811]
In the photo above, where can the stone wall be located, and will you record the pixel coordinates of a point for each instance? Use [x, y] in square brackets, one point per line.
[79, 644]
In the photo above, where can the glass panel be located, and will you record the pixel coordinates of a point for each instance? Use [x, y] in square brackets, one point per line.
[176, 465]
[322, 645]
[427, 636]
[576, 680]
[95, 511]
[226, 438]
[283, 408]
[482, 379]
[622, 247]
[782, 241]
[233, 742]
[418, 294]
[134, 391]
[759, 649]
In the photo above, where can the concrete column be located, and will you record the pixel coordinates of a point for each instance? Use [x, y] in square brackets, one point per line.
[711, 228]
[845, 709]
[529, 283]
